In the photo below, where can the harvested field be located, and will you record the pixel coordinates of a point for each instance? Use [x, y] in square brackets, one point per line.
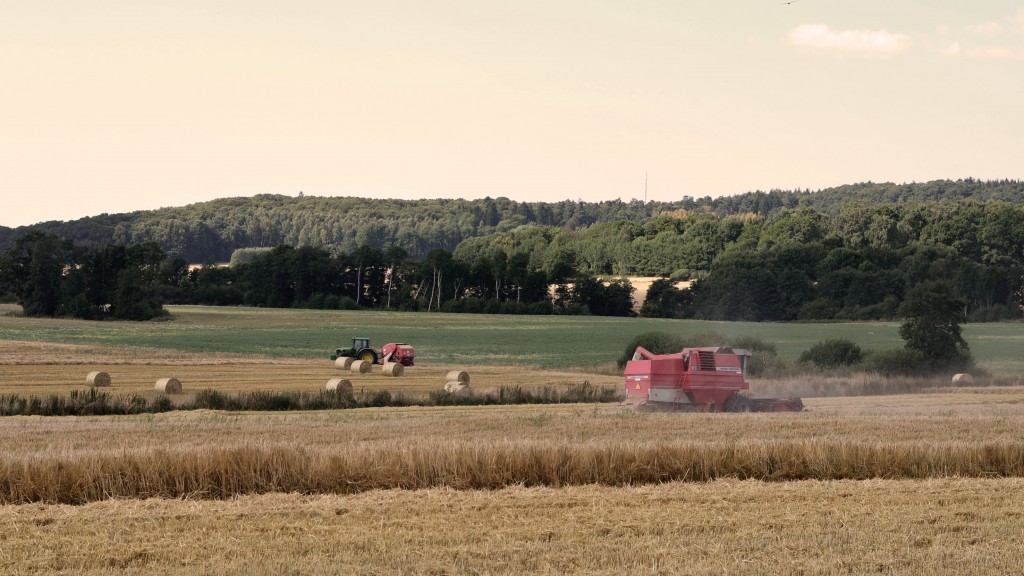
[208, 454]
[948, 526]
[26, 368]
[569, 488]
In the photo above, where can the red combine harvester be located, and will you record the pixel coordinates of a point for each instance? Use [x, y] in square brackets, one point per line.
[696, 380]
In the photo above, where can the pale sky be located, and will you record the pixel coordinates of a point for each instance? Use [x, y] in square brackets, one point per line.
[114, 106]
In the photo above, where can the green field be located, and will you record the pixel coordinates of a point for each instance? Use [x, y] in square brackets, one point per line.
[544, 341]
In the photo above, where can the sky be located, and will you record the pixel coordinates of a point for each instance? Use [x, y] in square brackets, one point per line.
[114, 106]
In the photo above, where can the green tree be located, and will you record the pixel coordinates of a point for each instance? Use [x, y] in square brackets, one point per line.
[34, 268]
[665, 300]
[934, 313]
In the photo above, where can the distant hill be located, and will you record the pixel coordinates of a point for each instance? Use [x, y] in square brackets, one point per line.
[211, 231]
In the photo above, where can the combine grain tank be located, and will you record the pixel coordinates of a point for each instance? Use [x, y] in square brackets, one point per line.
[698, 380]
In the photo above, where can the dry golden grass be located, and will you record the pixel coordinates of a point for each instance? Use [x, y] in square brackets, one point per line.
[949, 526]
[207, 454]
[228, 473]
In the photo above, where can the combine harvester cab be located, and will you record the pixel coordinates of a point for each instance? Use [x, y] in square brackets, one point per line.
[696, 380]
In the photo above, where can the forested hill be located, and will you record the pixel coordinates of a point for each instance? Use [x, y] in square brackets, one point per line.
[211, 231]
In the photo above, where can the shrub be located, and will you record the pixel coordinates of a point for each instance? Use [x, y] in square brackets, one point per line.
[755, 344]
[213, 400]
[379, 399]
[833, 353]
[993, 314]
[900, 362]
[820, 309]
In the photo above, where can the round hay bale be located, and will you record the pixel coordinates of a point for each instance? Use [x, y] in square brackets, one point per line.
[456, 387]
[339, 385]
[168, 385]
[344, 362]
[393, 369]
[963, 379]
[97, 379]
[458, 376]
[361, 367]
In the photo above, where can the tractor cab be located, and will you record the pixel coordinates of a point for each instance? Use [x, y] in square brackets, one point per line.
[360, 350]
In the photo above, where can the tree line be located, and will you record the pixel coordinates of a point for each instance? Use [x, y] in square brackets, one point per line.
[50, 276]
[797, 264]
[212, 231]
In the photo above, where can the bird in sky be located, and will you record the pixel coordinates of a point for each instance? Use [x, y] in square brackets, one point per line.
[788, 3]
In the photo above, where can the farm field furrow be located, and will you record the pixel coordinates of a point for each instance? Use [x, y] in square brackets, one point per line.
[939, 527]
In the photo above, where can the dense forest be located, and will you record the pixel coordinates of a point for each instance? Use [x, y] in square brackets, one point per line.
[212, 231]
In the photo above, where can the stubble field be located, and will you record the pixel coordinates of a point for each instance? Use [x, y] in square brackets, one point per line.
[911, 483]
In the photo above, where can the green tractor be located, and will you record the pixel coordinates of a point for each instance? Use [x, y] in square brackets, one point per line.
[360, 350]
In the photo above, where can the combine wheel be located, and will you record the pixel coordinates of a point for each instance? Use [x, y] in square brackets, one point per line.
[736, 403]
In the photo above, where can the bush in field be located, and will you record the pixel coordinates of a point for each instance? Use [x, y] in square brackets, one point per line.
[906, 362]
[895, 362]
[755, 344]
[81, 403]
[94, 403]
[994, 314]
[833, 353]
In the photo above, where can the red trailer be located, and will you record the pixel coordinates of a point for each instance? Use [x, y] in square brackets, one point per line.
[709, 379]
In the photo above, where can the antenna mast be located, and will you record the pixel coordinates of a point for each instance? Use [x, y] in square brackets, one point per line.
[645, 186]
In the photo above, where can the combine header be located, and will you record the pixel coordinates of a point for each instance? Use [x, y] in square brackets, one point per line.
[697, 380]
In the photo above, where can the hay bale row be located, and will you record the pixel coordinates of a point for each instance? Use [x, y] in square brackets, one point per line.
[97, 379]
[361, 367]
[344, 362]
[168, 385]
[393, 369]
[458, 376]
[339, 385]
